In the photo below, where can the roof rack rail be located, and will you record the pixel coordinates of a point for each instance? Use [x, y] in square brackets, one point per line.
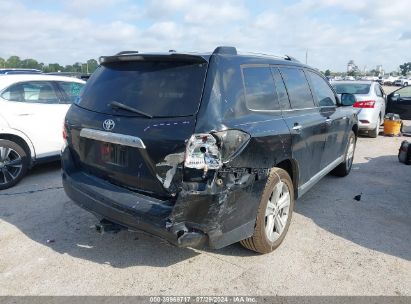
[172, 51]
[127, 52]
[291, 59]
[225, 50]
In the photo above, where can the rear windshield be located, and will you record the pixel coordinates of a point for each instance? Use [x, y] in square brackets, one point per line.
[352, 88]
[158, 88]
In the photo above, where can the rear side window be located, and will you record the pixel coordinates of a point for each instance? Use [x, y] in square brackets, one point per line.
[325, 96]
[32, 92]
[158, 88]
[71, 90]
[297, 88]
[378, 91]
[260, 91]
[281, 91]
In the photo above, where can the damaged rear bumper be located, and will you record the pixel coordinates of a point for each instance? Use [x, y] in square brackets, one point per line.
[124, 207]
[214, 216]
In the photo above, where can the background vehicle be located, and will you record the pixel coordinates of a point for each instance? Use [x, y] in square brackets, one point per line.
[402, 81]
[32, 113]
[399, 102]
[204, 148]
[370, 102]
[19, 71]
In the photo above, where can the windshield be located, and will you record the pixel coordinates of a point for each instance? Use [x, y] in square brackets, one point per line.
[158, 88]
[352, 88]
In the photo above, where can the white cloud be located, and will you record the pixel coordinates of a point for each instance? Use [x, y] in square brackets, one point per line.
[370, 32]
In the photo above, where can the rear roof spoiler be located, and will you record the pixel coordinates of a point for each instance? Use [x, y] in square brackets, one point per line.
[134, 56]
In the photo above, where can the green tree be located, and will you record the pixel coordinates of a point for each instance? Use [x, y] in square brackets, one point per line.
[53, 67]
[13, 62]
[92, 65]
[405, 68]
[327, 73]
[30, 64]
[2, 63]
[351, 73]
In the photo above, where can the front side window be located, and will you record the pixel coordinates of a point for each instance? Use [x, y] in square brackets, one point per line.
[325, 96]
[71, 89]
[297, 88]
[405, 92]
[260, 91]
[31, 92]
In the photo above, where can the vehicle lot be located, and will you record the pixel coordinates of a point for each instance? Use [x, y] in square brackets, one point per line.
[335, 246]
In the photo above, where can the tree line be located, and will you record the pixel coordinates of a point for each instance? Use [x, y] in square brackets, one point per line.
[15, 62]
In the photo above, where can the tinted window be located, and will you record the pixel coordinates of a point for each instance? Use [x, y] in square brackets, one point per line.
[159, 88]
[281, 91]
[325, 96]
[71, 90]
[352, 88]
[297, 88]
[32, 91]
[259, 89]
[404, 92]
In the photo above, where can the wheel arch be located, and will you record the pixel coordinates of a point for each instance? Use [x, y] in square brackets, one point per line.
[21, 140]
[291, 167]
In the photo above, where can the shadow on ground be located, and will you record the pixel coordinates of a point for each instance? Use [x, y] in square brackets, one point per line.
[380, 221]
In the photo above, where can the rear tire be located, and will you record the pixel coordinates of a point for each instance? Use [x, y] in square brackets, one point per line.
[374, 133]
[344, 168]
[274, 213]
[13, 163]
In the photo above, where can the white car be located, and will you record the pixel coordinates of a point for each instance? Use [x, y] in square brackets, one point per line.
[403, 82]
[32, 111]
[370, 103]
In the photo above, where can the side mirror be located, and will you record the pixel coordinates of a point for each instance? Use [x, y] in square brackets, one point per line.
[347, 99]
[395, 97]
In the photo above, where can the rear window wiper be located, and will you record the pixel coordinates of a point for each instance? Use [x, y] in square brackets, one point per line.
[119, 105]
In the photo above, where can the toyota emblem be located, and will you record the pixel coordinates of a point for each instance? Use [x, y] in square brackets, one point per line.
[108, 124]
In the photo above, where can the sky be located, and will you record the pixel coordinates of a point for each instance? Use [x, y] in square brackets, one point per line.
[332, 32]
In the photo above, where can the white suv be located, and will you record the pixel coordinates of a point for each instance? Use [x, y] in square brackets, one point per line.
[32, 111]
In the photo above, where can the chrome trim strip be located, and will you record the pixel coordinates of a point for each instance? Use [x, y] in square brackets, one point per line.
[313, 180]
[115, 138]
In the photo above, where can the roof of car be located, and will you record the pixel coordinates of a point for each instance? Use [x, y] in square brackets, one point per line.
[6, 80]
[199, 56]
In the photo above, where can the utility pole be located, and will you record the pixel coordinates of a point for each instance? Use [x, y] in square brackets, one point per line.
[306, 56]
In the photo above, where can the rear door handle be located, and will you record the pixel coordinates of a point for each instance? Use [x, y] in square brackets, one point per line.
[328, 121]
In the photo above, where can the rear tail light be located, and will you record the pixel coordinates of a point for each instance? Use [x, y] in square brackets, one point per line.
[210, 151]
[364, 104]
[364, 121]
[202, 152]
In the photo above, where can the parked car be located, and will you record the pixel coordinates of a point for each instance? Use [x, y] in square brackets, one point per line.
[370, 102]
[399, 102]
[19, 71]
[204, 149]
[33, 108]
[390, 80]
[403, 82]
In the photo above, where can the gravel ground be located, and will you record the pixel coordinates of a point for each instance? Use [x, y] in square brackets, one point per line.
[335, 245]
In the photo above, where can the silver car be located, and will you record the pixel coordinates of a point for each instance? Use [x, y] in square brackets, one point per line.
[370, 102]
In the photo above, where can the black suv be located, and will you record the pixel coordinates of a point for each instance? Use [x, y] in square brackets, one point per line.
[204, 149]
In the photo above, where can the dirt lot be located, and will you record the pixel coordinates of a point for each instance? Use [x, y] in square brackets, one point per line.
[335, 245]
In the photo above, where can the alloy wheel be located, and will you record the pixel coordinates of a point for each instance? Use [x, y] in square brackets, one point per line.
[11, 165]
